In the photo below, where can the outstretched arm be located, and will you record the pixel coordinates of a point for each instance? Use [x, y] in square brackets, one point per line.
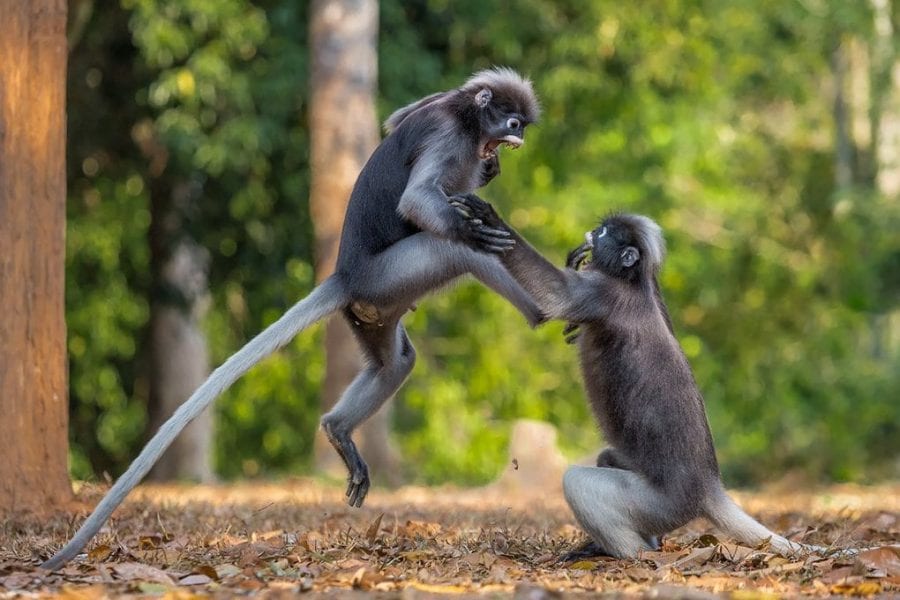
[561, 293]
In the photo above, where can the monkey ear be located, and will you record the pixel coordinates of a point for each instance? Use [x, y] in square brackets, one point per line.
[483, 97]
[630, 256]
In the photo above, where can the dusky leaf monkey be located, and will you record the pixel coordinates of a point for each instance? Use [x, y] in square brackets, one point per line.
[401, 240]
[660, 470]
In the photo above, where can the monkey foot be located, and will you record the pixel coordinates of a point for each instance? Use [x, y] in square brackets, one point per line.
[358, 486]
[588, 549]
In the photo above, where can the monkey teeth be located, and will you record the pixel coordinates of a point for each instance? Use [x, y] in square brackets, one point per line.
[512, 141]
[490, 149]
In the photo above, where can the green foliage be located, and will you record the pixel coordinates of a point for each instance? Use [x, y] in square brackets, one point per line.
[714, 118]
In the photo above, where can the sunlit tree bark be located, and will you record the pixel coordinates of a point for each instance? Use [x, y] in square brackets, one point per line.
[33, 387]
[344, 132]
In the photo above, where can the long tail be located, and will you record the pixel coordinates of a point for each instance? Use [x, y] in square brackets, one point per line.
[327, 298]
[730, 518]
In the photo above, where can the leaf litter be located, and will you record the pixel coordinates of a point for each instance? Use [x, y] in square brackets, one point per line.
[298, 537]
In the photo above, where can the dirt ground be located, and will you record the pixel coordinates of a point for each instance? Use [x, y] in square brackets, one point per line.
[283, 539]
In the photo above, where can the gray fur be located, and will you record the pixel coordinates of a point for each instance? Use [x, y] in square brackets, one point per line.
[391, 123]
[661, 470]
[401, 240]
[507, 80]
[324, 300]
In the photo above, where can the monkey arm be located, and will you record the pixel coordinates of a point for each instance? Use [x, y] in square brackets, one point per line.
[576, 296]
[425, 203]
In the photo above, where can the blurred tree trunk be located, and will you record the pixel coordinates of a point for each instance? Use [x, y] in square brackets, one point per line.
[33, 387]
[885, 111]
[885, 128]
[343, 132]
[179, 361]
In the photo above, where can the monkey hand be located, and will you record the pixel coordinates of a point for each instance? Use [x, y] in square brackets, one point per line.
[481, 228]
[471, 207]
[571, 332]
[577, 256]
[490, 168]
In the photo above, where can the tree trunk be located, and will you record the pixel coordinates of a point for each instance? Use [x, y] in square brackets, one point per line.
[179, 361]
[344, 132]
[885, 92]
[885, 123]
[33, 386]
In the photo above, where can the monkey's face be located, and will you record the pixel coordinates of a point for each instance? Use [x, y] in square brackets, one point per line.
[502, 123]
[614, 250]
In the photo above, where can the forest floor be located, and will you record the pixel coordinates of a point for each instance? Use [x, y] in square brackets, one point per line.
[281, 539]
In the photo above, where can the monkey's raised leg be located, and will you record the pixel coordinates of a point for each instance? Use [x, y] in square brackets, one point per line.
[423, 262]
[621, 512]
[390, 357]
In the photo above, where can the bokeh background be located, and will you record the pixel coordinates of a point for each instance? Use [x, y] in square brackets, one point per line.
[763, 135]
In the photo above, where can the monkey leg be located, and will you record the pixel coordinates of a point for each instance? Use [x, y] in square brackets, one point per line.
[488, 269]
[421, 263]
[621, 512]
[390, 357]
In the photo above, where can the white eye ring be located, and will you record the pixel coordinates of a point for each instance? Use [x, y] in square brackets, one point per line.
[602, 232]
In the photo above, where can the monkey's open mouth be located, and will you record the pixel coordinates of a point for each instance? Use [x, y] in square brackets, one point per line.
[490, 149]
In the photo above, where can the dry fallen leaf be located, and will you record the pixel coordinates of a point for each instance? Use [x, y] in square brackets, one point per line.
[132, 571]
[372, 531]
[195, 579]
[861, 588]
[885, 559]
[421, 542]
[696, 558]
[99, 553]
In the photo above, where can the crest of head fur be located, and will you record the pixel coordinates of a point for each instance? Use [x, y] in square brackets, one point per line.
[502, 82]
[648, 236]
[505, 83]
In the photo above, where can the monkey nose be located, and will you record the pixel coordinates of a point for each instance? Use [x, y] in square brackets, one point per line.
[588, 237]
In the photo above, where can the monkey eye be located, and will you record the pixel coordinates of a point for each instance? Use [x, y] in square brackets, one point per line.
[602, 232]
[513, 123]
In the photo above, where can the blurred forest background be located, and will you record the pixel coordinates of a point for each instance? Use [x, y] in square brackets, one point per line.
[764, 136]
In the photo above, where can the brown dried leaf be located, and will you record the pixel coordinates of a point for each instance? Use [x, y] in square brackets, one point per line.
[861, 588]
[639, 574]
[131, 571]
[438, 589]
[734, 553]
[885, 559]
[312, 541]
[696, 558]
[207, 570]
[16, 581]
[94, 592]
[417, 555]
[372, 531]
[583, 565]
[99, 553]
[663, 559]
[420, 529]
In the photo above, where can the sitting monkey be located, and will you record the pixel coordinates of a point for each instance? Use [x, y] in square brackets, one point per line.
[660, 470]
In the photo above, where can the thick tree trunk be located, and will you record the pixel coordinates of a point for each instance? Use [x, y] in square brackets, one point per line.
[344, 132]
[179, 360]
[33, 387]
